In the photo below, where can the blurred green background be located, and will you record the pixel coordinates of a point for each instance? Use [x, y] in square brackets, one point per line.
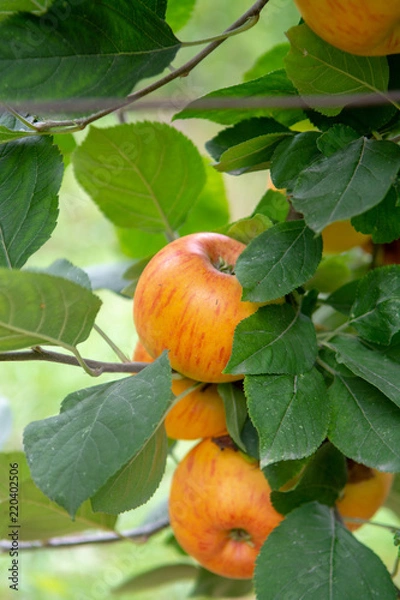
[33, 391]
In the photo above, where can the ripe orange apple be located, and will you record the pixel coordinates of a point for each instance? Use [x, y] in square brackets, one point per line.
[188, 301]
[364, 493]
[363, 27]
[341, 236]
[199, 414]
[220, 508]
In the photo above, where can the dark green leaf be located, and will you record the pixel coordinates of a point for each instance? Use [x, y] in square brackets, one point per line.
[252, 155]
[367, 170]
[311, 555]
[24, 5]
[343, 298]
[158, 576]
[210, 585]
[371, 365]
[290, 413]
[143, 175]
[137, 480]
[292, 156]
[103, 426]
[235, 411]
[30, 177]
[365, 425]
[376, 310]
[242, 132]
[36, 308]
[336, 138]
[284, 473]
[272, 85]
[324, 477]
[316, 67]
[382, 221]
[272, 60]
[276, 339]
[41, 518]
[82, 50]
[278, 261]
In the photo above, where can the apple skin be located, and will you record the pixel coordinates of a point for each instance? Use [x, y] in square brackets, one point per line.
[362, 27]
[220, 508]
[199, 414]
[185, 304]
[364, 493]
[341, 236]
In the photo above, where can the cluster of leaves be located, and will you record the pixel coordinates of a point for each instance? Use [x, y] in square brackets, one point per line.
[313, 393]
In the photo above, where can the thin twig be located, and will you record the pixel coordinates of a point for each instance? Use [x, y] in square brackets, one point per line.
[138, 535]
[66, 359]
[179, 72]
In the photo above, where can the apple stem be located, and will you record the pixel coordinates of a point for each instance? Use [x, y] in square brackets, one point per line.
[241, 535]
[221, 265]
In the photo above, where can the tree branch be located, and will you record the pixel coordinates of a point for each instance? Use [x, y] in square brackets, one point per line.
[66, 359]
[182, 71]
[138, 535]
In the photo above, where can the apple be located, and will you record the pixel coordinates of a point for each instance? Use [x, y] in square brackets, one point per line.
[188, 301]
[341, 236]
[220, 509]
[363, 27]
[364, 493]
[198, 414]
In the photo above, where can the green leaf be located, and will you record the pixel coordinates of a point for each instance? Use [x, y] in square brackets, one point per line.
[210, 585]
[30, 177]
[382, 221]
[252, 155]
[103, 426]
[293, 155]
[271, 86]
[235, 411]
[324, 477]
[143, 175]
[276, 339]
[376, 310]
[66, 144]
[367, 169]
[37, 308]
[85, 50]
[335, 138]
[209, 212]
[371, 365]
[343, 298]
[278, 261]
[311, 555]
[284, 472]
[108, 276]
[24, 5]
[137, 480]
[316, 67]
[65, 269]
[247, 229]
[273, 205]
[179, 13]
[290, 413]
[365, 424]
[272, 60]
[40, 518]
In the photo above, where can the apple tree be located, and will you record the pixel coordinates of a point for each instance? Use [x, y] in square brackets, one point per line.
[321, 370]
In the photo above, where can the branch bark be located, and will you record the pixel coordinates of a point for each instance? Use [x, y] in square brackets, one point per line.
[182, 71]
[38, 354]
[138, 535]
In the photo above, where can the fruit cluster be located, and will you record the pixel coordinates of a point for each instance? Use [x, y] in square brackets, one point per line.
[188, 301]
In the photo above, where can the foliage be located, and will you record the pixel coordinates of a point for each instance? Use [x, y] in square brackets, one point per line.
[321, 369]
